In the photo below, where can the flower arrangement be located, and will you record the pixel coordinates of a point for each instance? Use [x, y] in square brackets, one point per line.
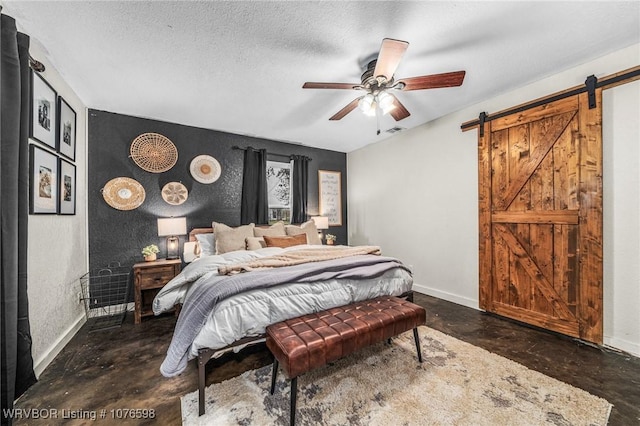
[330, 239]
[150, 251]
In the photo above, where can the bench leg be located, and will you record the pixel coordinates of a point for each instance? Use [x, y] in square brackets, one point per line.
[294, 394]
[274, 375]
[201, 381]
[417, 339]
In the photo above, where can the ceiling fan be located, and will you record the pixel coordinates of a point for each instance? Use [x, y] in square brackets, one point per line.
[378, 82]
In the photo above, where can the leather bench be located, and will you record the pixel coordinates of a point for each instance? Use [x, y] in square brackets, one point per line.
[311, 341]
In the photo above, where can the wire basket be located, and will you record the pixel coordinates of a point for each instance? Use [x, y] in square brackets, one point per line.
[104, 293]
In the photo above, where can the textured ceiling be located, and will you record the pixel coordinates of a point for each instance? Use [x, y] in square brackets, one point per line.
[239, 66]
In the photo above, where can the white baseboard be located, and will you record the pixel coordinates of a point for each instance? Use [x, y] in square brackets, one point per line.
[43, 361]
[450, 297]
[623, 345]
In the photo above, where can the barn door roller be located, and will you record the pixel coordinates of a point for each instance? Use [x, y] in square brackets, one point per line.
[591, 83]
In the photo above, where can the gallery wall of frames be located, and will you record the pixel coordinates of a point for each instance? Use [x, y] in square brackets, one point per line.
[52, 151]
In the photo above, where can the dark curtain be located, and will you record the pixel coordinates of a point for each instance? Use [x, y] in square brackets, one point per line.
[300, 188]
[255, 203]
[17, 362]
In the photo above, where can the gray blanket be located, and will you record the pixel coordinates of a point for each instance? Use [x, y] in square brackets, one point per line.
[204, 298]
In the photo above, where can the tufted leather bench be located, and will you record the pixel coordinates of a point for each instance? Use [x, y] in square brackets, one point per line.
[310, 341]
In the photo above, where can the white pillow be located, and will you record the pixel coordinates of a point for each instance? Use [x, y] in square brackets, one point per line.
[189, 252]
[207, 244]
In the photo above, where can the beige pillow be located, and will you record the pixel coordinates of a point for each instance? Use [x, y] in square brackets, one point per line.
[255, 243]
[231, 239]
[275, 230]
[308, 228]
[283, 242]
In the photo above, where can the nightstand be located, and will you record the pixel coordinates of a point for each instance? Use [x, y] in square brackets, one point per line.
[149, 278]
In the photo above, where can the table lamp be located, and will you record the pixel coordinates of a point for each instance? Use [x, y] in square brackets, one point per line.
[322, 223]
[171, 228]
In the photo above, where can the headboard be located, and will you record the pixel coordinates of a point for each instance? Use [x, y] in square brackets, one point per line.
[196, 231]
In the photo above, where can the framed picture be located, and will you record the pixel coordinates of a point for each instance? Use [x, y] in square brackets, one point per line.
[66, 129]
[330, 194]
[67, 185]
[42, 125]
[43, 169]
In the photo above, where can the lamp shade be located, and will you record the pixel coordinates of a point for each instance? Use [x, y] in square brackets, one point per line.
[322, 222]
[172, 226]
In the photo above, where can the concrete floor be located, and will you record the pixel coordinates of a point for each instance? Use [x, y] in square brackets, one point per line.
[118, 369]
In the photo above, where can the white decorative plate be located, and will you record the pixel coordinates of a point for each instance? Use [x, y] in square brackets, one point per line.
[205, 169]
[175, 193]
[123, 193]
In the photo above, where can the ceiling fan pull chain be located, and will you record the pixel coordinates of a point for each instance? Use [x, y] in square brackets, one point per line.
[378, 118]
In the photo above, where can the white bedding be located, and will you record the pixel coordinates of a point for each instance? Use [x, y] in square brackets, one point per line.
[248, 314]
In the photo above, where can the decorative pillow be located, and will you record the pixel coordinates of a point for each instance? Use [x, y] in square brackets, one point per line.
[285, 241]
[308, 228]
[275, 230]
[190, 251]
[255, 243]
[207, 244]
[231, 239]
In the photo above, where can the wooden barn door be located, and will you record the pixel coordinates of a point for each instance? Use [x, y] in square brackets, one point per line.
[540, 197]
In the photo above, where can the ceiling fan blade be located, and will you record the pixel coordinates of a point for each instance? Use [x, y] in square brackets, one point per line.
[389, 57]
[311, 85]
[346, 110]
[399, 112]
[434, 81]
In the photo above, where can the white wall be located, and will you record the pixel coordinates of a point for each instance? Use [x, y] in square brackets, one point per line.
[58, 249]
[621, 182]
[416, 196]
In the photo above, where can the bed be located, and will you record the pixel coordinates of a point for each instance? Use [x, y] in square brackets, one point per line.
[252, 297]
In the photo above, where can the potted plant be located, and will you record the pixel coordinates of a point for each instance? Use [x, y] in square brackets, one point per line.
[331, 239]
[150, 252]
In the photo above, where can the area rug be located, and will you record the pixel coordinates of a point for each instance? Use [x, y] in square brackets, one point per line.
[457, 384]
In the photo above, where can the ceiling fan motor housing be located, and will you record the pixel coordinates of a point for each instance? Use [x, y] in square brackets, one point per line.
[370, 82]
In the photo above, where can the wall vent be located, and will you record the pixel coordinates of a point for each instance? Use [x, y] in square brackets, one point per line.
[395, 129]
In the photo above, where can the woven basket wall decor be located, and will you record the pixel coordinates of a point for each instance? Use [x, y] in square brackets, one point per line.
[205, 169]
[123, 193]
[175, 193]
[153, 152]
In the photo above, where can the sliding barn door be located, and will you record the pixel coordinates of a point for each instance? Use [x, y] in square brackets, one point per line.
[540, 197]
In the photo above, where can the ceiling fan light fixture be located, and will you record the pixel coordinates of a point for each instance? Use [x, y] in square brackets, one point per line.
[367, 103]
[385, 102]
[371, 112]
[388, 109]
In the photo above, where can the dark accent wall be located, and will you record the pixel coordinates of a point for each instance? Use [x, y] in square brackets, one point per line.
[118, 236]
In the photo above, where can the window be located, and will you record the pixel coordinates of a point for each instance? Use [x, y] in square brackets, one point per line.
[279, 191]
